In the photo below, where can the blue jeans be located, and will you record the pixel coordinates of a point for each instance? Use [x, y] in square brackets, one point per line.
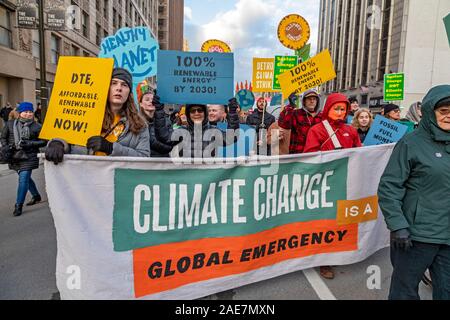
[410, 266]
[25, 184]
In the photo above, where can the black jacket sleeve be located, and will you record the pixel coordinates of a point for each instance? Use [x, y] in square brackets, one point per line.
[163, 132]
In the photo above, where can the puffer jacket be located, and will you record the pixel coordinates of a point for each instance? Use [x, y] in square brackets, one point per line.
[415, 186]
[318, 138]
[7, 138]
[172, 137]
[158, 148]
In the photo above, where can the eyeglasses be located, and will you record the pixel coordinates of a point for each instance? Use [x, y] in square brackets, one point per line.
[196, 110]
[444, 111]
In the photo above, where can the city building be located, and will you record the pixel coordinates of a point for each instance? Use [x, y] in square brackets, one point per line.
[170, 24]
[370, 38]
[20, 48]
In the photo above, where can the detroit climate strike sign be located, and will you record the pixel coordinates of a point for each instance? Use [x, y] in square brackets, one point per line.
[78, 101]
[195, 77]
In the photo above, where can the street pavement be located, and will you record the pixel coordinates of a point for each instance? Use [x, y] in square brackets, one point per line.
[28, 261]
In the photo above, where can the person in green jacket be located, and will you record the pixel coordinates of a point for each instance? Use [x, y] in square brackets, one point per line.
[414, 196]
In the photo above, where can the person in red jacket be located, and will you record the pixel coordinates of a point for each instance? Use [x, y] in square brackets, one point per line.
[333, 133]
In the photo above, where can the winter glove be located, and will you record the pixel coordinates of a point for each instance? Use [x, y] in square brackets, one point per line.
[233, 106]
[293, 99]
[55, 152]
[401, 239]
[100, 144]
[157, 102]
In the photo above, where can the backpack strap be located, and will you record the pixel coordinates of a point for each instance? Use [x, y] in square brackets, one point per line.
[332, 135]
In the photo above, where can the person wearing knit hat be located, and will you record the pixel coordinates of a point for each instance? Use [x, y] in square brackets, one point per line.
[124, 131]
[392, 112]
[21, 135]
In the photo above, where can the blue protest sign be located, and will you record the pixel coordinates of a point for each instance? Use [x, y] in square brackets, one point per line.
[276, 100]
[384, 131]
[195, 77]
[246, 99]
[244, 144]
[349, 119]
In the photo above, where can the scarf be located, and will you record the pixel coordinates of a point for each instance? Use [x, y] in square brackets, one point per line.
[21, 131]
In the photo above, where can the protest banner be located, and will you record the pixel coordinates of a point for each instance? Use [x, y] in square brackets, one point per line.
[307, 75]
[133, 49]
[214, 45]
[282, 64]
[294, 31]
[161, 230]
[447, 26]
[77, 105]
[394, 87]
[384, 131]
[245, 99]
[263, 74]
[195, 77]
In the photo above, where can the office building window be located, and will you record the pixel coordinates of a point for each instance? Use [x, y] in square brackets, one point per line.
[86, 54]
[105, 9]
[55, 51]
[85, 24]
[97, 5]
[75, 51]
[36, 44]
[5, 28]
[98, 34]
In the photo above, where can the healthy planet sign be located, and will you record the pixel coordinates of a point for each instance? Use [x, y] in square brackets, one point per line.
[132, 49]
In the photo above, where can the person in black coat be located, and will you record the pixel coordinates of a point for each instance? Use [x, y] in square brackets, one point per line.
[145, 95]
[261, 120]
[198, 127]
[22, 135]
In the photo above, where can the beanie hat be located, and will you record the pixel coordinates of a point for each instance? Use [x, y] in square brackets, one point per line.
[390, 107]
[443, 102]
[124, 75]
[25, 106]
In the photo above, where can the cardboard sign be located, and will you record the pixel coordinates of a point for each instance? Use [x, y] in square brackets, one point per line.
[307, 75]
[215, 46]
[195, 77]
[294, 31]
[384, 131]
[394, 87]
[263, 74]
[447, 26]
[78, 101]
[132, 49]
[246, 99]
[282, 64]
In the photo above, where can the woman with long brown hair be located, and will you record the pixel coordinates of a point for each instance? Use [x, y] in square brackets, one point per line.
[124, 131]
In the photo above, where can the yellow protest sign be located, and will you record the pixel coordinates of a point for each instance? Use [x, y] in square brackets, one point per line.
[294, 31]
[214, 45]
[77, 105]
[263, 74]
[307, 75]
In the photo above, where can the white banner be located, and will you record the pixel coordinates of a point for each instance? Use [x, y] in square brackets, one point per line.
[134, 228]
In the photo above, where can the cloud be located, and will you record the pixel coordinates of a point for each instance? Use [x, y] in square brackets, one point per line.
[250, 28]
[187, 13]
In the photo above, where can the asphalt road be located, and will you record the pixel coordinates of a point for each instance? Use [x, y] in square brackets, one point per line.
[28, 262]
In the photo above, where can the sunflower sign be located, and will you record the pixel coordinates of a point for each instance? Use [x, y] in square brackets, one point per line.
[294, 31]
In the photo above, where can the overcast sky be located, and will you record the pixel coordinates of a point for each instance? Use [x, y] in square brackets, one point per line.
[248, 26]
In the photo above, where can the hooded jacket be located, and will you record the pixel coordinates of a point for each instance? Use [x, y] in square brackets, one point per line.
[172, 137]
[415, 186]
[299, 121]
[318, 138]
[256, 119]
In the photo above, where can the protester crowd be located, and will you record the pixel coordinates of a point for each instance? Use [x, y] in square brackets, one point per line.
[415, 175]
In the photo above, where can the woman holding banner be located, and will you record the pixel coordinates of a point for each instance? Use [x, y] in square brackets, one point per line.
[362, 121]
[21, 136]
[414, 198]
[332, 134]
[124, 131]
[145, 96]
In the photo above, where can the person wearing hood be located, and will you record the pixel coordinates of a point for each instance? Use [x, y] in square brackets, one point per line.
[124, 131]
[197, 123]
[414, 114]
[414, 198]
[147, 109]
[300, 121]
[22, 136]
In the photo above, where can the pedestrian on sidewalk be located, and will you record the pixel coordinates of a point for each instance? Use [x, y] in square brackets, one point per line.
[414, 198]
[23, 134]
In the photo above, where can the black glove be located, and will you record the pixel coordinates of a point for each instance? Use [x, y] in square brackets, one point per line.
[26, 144]
[232, 106]
[157, 102]
[55, 152]
[401, 239]
[100, 144]
[293, 99]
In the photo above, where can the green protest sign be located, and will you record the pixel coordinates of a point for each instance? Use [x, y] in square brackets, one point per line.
[282, 64]
[447, 26]
[304, 53]
[394, 87]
